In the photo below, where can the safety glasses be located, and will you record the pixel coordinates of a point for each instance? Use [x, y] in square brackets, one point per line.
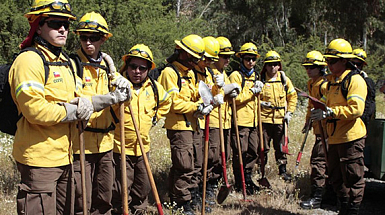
[57, 24]
[140, 52]
[135, 67]
[249, 50]
[272, 58]
[311, 67]
[226, 49]
[311, 60]
[92, 38]
[57, 6]
[91, 25]
[250, 58]
[224, 56]
[272, 64]
[332, 61]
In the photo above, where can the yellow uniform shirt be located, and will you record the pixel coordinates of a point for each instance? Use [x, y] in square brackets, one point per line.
[315, 90]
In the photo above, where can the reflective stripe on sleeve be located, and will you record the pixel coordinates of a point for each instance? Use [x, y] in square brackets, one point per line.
[29, 85]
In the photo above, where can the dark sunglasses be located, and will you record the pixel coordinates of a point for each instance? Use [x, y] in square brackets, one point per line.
[332, 61]
[272, 64]
[57, 24]
[135, 67]
[311, 67]
[250, 58]
[92, 38]
[225, 56]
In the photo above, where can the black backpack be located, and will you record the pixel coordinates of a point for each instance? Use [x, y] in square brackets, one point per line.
[8, 110]
[370, 103]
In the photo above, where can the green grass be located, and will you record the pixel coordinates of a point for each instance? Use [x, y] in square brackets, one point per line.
[282, 199]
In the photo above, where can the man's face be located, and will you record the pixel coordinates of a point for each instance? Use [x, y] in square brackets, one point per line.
[313, 71]
[223, 61]
[336, 65]
[54, 30]
[272, 68]
[249, 61]
[91, 42]
[137, 69]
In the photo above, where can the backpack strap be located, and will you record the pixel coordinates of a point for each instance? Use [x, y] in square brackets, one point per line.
[45, 63]
[156, 95]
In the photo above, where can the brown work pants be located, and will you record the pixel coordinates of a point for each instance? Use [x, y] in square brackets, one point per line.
[249, 141]
[99, 179]
[346, 169]
[138, 184]
[214, 166]
[198, 149]
[318, 164]
[45, 190]
[274, 132]
[181, 171]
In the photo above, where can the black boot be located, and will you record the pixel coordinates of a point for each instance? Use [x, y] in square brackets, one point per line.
[344, 203]
[329, 197]
[238, 186]
[282, 172]
[210, 194]
[196, 200]
[251, 188]
[315, 201]
[186, 206]
[353, 209]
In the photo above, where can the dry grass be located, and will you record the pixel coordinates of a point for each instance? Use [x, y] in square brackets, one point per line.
[283, 198]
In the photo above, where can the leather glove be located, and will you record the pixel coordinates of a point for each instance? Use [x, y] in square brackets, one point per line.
[121, 82]
[234, 93]
[218, 99]
[255, 90]
[118, 95]
[203, 110]
[219, 80]
[318, 114]
[71, 112]
[84, 108]
[228, 88]
[258, 84]
[288, 116]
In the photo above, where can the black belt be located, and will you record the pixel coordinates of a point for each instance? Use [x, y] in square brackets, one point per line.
[100, 130]
[273, 107]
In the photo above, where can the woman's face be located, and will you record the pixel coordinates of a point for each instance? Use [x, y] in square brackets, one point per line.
[249, 61]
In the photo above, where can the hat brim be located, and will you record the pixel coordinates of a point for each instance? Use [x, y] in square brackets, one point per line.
[178, 43]
[271, 61]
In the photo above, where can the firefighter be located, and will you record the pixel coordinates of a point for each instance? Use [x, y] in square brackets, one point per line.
[178, 79]
[228, 91]
[93, 31]
[315, 66]
[345, 128]
[146, 93]
[246, 103]
[278, 102]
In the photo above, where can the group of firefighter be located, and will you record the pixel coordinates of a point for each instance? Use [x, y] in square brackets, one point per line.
[56, 110]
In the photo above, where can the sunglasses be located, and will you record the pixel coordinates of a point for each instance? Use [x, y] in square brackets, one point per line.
[225, 56]
[226, 49]
[141, 53]
[250, 58]
[58, 6]
[92, 38]
[57, 24]
[332, 61]
[135, 67]
[272, 64]
[91, 25]
[311, 67]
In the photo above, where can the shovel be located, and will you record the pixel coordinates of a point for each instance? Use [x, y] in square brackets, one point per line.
[82, 166]
[307, 129]
[123, 160]
[285, 146]
[146, 163]
[263, 181]
[234, 106]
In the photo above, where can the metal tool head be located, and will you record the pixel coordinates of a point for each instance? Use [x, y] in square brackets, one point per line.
[205, 93]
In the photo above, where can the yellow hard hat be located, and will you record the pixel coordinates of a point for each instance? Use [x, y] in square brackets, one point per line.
[314, 58]
[225, 46]
[50, 7]
[360, 54]
[192, 44]
[248, 48]
[272, 56]
[339, 48]
[93, 22]
[211, 47]
[141, 51]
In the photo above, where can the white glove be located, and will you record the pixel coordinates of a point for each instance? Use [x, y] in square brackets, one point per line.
[228, 88]
[258, 84]
[84, 108]
[265, 104]
[118, 95]
[219, 80]
[234, 93]
[318, 114]
[255, 90]
[288, 116]
[218, 99]
[205, 109]
[121, 82]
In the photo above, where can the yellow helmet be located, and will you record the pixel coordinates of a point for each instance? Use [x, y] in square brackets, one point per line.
[192, 44]
[272, 56]
[360, 54]
[339, 48]
[211, 47]
[93, 22]
[314, 58]
[141, 51]
[248, 48]
[50, 7]
[225, 46]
